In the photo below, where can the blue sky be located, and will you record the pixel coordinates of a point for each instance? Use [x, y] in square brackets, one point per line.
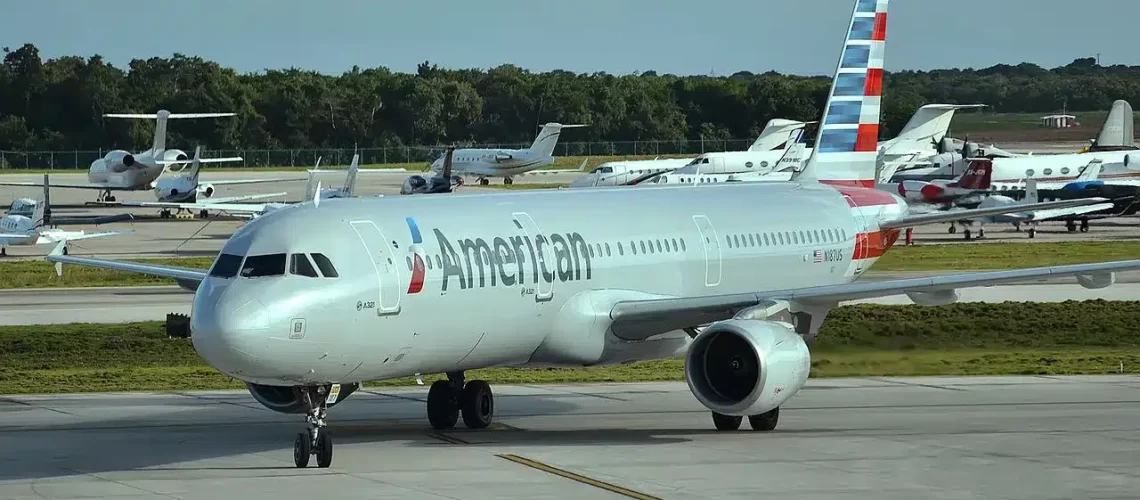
[618, 36]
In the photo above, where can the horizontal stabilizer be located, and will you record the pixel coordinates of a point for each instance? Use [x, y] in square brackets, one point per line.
[153, 116]
[201, 160]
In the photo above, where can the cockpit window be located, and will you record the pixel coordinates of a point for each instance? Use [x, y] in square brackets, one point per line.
[699, 161]
[226, 266]
[263, 265]
[325, 265]
[299, 264]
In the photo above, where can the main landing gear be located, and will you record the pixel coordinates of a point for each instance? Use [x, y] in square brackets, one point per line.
[1072, 225]
[315, 441]
[448, 398]
[763, 422]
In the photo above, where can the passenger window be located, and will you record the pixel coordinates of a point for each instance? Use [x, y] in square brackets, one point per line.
[659, 246]
[438, 263]
[263, 265]
[766, 243]
[226, 266]
[728, 240]
[326, 267]
[607, 249]
[299, 264]
[682, 244]
[591, 247]
[621, 251]
[675, 247]
[409, 259]
[642, 246]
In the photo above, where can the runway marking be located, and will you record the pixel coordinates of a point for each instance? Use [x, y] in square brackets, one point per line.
[448, 439]
[29, 405]
[578, 477]
[914, 384]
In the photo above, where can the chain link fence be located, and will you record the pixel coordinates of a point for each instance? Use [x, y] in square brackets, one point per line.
[263, 158]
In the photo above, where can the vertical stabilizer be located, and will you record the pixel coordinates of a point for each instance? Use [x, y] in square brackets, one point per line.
[1117, 132]
[978, 175]
[41, 216]
[350, 178]
[928, 125]
[310, 188]
[778, 132]
[846, 146]
[547, 139]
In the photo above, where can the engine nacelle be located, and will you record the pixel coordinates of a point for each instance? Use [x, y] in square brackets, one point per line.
[206, 190]
[744, 367]
[934, 297]
[290, 399]
[119, 160]
[1094, 281]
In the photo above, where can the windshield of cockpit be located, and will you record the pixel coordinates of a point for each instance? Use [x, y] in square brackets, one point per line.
[698, 161]
[274, 264]
[603, 170]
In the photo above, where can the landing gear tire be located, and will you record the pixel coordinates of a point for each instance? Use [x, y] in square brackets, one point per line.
[765, 421]
[324, 450]
[1032, 232]
[953, 229]
[484, 182]
[302, 448]
[726, 422]
[478, 404]
[508, 181]
[442, 408]
[966, 233]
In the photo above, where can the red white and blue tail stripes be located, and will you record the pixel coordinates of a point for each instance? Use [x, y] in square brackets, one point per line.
[848, 137]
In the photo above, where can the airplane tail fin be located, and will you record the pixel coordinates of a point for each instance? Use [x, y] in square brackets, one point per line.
[41, 216]
[1031, 191]
[779, 132]
[310, 188]
[846, 145]
[927, 125]
[1117, 132]
[978, 175]
[793, 158]
[547, 138]
[350, 178]
[161, 117]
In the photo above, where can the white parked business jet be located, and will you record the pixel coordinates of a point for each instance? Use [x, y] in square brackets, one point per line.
[312, 192]
[35, 228]
[305, 304]
[182, 186]
[484, 163]
[121, 170]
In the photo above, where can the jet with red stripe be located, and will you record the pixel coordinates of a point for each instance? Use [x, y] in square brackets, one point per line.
[305, 304]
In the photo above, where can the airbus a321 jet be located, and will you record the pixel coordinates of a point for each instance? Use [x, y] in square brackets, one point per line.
[121, 170]
[305, 304]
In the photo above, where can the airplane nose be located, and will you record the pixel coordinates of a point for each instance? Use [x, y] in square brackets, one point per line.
[231, 338]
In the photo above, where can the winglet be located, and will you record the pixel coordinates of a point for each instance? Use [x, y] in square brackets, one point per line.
[58, 250]
[317, 195]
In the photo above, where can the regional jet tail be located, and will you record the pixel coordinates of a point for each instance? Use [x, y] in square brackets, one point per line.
[120, 170]
[37, 229]
[925, 130]
[505, 163]
[562, 281]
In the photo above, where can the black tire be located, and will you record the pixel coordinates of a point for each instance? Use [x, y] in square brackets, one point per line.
[324, 449]
[301, 450]
[765, 421]
[726, 422]
[442, 410]
[478, 404]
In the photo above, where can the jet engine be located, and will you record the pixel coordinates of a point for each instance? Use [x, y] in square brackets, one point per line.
[206, 190]
[742, 367]
[119, 160]
[284, 399]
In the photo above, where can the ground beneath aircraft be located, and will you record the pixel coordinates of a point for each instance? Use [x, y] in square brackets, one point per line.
[996, 437]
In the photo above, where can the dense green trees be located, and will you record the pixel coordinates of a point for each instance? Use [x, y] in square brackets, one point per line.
[57, 104]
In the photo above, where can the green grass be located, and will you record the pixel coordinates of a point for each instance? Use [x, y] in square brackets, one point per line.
[39, 273]
[863, 340]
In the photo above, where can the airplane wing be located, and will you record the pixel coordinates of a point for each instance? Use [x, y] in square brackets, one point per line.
[222, 207]
[54, 238]
[85, 185]
[14, 236]
[641, 319]
[227, 182]
[958, 215]
[185, 274]
[1040, 215]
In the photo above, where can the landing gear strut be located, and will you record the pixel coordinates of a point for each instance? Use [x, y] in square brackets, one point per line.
[447, 399]
[762, 422]
[315, 441]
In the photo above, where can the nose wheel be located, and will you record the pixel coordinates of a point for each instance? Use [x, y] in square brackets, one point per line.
[316, 440]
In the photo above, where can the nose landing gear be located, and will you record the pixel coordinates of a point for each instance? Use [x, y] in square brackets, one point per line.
[315, 441]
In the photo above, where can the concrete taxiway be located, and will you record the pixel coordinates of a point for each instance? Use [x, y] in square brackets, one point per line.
[1027, 437]
[45, 306]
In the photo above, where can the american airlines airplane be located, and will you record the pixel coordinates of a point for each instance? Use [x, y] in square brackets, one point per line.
[35, 228]
[305, 304]
[484, 163]
[121, 170]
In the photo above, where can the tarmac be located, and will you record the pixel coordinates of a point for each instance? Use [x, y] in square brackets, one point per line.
[1030, 437]
[45, 306]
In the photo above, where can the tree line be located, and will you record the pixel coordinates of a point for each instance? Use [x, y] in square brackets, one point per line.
[57, 104]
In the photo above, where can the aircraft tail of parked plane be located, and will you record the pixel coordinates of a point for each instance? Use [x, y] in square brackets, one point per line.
[547, 139]
[553, 278]
[1117, 131]
[928, 125]
[161, 117]
[778, 132]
